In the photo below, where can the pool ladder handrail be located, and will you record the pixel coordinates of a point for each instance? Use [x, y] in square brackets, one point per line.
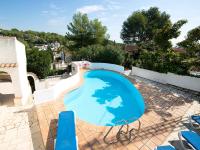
[121, 132]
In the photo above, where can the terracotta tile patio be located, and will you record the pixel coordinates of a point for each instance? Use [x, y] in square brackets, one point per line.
[34, 127]
[165, 107]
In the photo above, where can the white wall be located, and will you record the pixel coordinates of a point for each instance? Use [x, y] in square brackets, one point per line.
[13, 51]
[148, 74]
[36, 80]
[6, 88]
[106, 66]
[44, 95]
[22, 72]
[7, 52]
[186, 82]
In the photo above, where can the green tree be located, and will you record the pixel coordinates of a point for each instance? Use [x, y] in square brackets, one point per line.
[192, 42]
[169, 61]
[38, 62]
[150, 28]
[111, 54]
[98, 53]
[163, 36]
[84, 32]
[192, 47]
[49, 50]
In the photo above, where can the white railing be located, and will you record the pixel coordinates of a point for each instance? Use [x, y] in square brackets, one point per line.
[106, 66]
[186, 82]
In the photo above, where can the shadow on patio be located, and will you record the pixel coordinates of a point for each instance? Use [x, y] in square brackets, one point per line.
[158, 131]
[51, 135]
[164, 99]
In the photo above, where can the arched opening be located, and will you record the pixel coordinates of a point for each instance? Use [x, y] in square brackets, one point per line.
[32, 83]
[7, 95]
[5, 77]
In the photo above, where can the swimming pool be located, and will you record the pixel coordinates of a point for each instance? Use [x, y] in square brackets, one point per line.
[106, 98]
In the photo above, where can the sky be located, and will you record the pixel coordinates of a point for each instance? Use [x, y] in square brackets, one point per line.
[54, 15]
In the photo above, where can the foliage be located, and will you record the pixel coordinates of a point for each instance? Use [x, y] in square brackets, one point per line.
[98, 53]
[111, 54]
[128, 61]
[84, 32]
[169, 61]
[38, 62]
[192, 42]
[168, 32]
[32, 38]
[192, 46]
[51, 53]
[150, 27]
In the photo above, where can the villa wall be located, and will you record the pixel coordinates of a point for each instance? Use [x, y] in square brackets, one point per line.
[36, 80]
[186, 82]
[13, 52]
[49, 94]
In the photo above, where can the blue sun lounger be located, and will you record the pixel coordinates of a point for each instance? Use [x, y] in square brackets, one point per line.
[192, 138]
[196, 119]
[66, 134]
[165, 147]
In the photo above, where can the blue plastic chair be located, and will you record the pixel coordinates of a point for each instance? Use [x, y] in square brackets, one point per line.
[66, 134]
[195, 119]
[191, 137]
[165, 147]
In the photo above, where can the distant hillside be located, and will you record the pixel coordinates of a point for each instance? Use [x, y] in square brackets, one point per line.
[32, 38]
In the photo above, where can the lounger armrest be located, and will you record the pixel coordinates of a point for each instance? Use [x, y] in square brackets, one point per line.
[77, 143]
[165, 147]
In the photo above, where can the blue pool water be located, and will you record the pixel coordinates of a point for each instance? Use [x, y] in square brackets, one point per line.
[106, 98]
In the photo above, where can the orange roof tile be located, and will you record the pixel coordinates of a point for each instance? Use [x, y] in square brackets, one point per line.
[8, 65]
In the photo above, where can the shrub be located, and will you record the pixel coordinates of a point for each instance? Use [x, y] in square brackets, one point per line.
[38, 62]
[110, 54]
[98, 53]
[128, 61]
[163, 62]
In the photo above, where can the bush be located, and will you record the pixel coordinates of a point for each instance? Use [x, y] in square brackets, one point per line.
[38, 62]
[128, 61]
[163, 62]
[98, 53]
